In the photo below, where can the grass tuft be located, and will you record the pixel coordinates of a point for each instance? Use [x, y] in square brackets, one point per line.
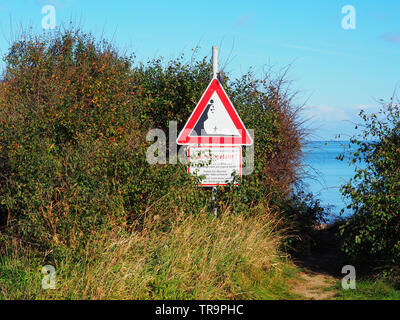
[195, 257]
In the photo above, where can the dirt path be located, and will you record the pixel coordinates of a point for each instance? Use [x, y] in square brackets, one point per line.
[315, 286]
[321, 268]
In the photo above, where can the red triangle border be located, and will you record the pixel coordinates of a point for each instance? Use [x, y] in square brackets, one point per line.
[184, 137]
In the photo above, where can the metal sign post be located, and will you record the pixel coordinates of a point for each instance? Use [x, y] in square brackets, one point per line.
[215, 74]
[215, 134]
[215, 61]
[214, 201]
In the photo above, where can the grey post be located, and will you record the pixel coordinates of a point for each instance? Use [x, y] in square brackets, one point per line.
[215, 73]
[215, 61]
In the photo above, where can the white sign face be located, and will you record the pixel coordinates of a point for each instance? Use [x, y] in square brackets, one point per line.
[216, 120]
[218, 165]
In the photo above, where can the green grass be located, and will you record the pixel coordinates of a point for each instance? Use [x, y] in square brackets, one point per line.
[197, 257]
[369, 290]
[20, 276]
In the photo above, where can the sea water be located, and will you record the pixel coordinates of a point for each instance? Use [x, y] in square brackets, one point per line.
[325, 174]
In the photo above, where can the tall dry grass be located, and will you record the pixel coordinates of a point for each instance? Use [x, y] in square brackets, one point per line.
[195, 257]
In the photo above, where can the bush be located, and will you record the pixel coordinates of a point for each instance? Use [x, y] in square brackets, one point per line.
[72, 147]
[74, 114]
[373, 234]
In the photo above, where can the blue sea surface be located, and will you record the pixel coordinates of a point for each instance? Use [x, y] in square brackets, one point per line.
[326, 174]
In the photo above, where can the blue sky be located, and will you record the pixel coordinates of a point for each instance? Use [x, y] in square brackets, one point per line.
[339, 70]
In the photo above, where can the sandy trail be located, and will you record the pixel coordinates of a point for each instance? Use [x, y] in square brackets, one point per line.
[321, 268]
[315, 286]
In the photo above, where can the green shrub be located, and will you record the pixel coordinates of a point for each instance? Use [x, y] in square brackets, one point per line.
[372, 234]
[74, 115]
[72, 148]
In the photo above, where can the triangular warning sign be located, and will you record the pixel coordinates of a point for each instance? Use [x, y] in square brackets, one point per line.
[214, 121]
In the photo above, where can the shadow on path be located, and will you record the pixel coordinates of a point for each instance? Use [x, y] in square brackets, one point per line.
[325, 257]
[321, 267]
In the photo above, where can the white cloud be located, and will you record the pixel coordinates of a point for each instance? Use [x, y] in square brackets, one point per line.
[391, 37]
[242, 20]
[361, 107]
[325, 113]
